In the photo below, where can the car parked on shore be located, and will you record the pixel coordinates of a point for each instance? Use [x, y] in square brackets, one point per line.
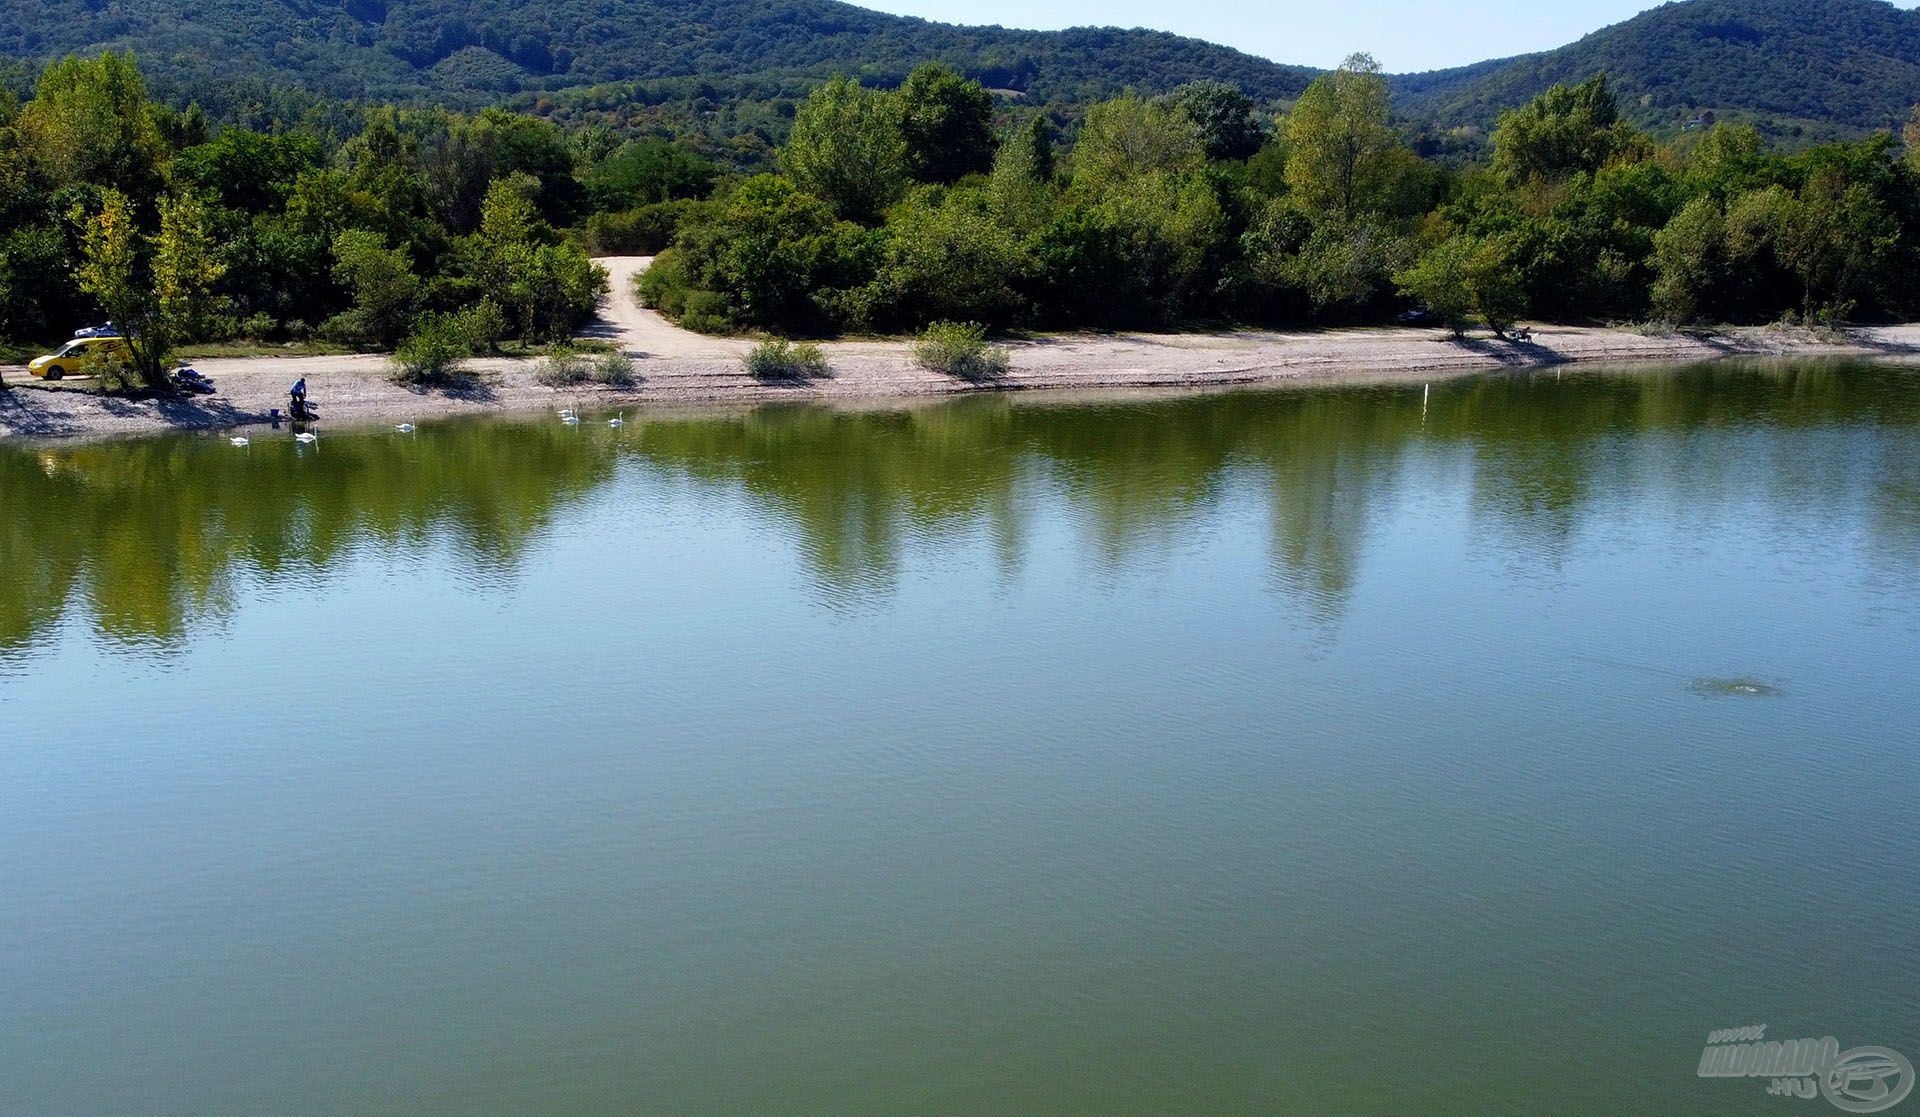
[71, 359]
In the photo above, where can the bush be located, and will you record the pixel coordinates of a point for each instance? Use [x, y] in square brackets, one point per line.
[663, 286]
[960, 349]
[484, 324]
[435, 352]
[113, 376]
[563, 368]
[259, 326]
[646, 231]
[707, 312]
[615, 370]
[779, 359]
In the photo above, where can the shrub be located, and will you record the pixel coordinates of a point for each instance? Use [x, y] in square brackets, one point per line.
[779, 359]
[615, 369]
[563, 368]
[113, 376]
[645, 231]
[384, 287]
[259, 326]
[434, 352]
[484, 324]
[960, 349]
[663, 286]
[707, 312]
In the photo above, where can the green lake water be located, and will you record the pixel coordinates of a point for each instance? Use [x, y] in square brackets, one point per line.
[1472, 750]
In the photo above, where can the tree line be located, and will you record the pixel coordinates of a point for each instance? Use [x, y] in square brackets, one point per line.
[115, 206]
[933, 201]
[892, 209]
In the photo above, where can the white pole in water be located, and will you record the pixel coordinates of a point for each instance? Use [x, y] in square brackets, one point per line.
[1425, 391]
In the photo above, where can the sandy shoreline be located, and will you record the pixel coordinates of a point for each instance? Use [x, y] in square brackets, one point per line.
[677, 367]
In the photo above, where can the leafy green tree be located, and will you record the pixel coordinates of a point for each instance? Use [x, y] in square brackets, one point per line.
[185, 268]
[1565, 131]
[648, 172]
[1342, 153]
[1440, 282]
[1037, 139]
[950, 256]
[848, 149]
[1128, 137]
[1224, 116]
[1838, 239]
[37, 293]
[89, 122]
[1689, 261]
[157, 288]
[1588, 256]
[544, 286]
[1463, 276]
[1021, 185]
[1727, 160]
[773, 255]
[1343, 268]
[947, 122]
[384, 287]
[1147, 253]
[246, 170]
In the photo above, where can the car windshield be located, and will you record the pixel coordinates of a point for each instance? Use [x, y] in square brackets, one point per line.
[72, 349]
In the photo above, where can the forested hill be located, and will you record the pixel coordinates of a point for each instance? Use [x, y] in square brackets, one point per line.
[1805, 70]
[1802, 69]
[482, 51]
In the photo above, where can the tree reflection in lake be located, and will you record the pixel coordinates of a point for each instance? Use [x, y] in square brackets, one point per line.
[141, 540]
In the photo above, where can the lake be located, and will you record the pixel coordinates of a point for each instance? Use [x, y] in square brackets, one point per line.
[1456, 749]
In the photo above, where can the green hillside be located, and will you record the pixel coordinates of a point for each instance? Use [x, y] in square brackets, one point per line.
[1802, 69]
[1805, 70]
[480, 51]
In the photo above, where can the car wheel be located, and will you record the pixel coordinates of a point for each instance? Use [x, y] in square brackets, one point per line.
[54, 373]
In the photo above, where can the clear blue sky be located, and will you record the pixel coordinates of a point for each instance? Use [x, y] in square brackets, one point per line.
[1404, 35]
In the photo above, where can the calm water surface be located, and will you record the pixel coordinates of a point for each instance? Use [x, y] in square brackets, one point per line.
[1331, 751]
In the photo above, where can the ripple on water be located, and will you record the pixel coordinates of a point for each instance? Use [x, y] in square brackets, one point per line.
[1734, 688]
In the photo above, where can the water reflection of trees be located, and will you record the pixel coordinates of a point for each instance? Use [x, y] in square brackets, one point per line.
[147, 536]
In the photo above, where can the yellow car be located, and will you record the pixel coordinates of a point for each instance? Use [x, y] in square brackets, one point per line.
[71, 359]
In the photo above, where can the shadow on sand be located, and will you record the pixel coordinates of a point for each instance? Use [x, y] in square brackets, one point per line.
[28, 413]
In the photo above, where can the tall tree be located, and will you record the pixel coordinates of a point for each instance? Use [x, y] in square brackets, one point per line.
[89, 122]
[947, 121]
[1467, 275]
[157, 289]
[383, 285]
[847, 148]
[1342, 151]
[1224, 116]
[1128, 137]
[1021, 186]
[1565, 131]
